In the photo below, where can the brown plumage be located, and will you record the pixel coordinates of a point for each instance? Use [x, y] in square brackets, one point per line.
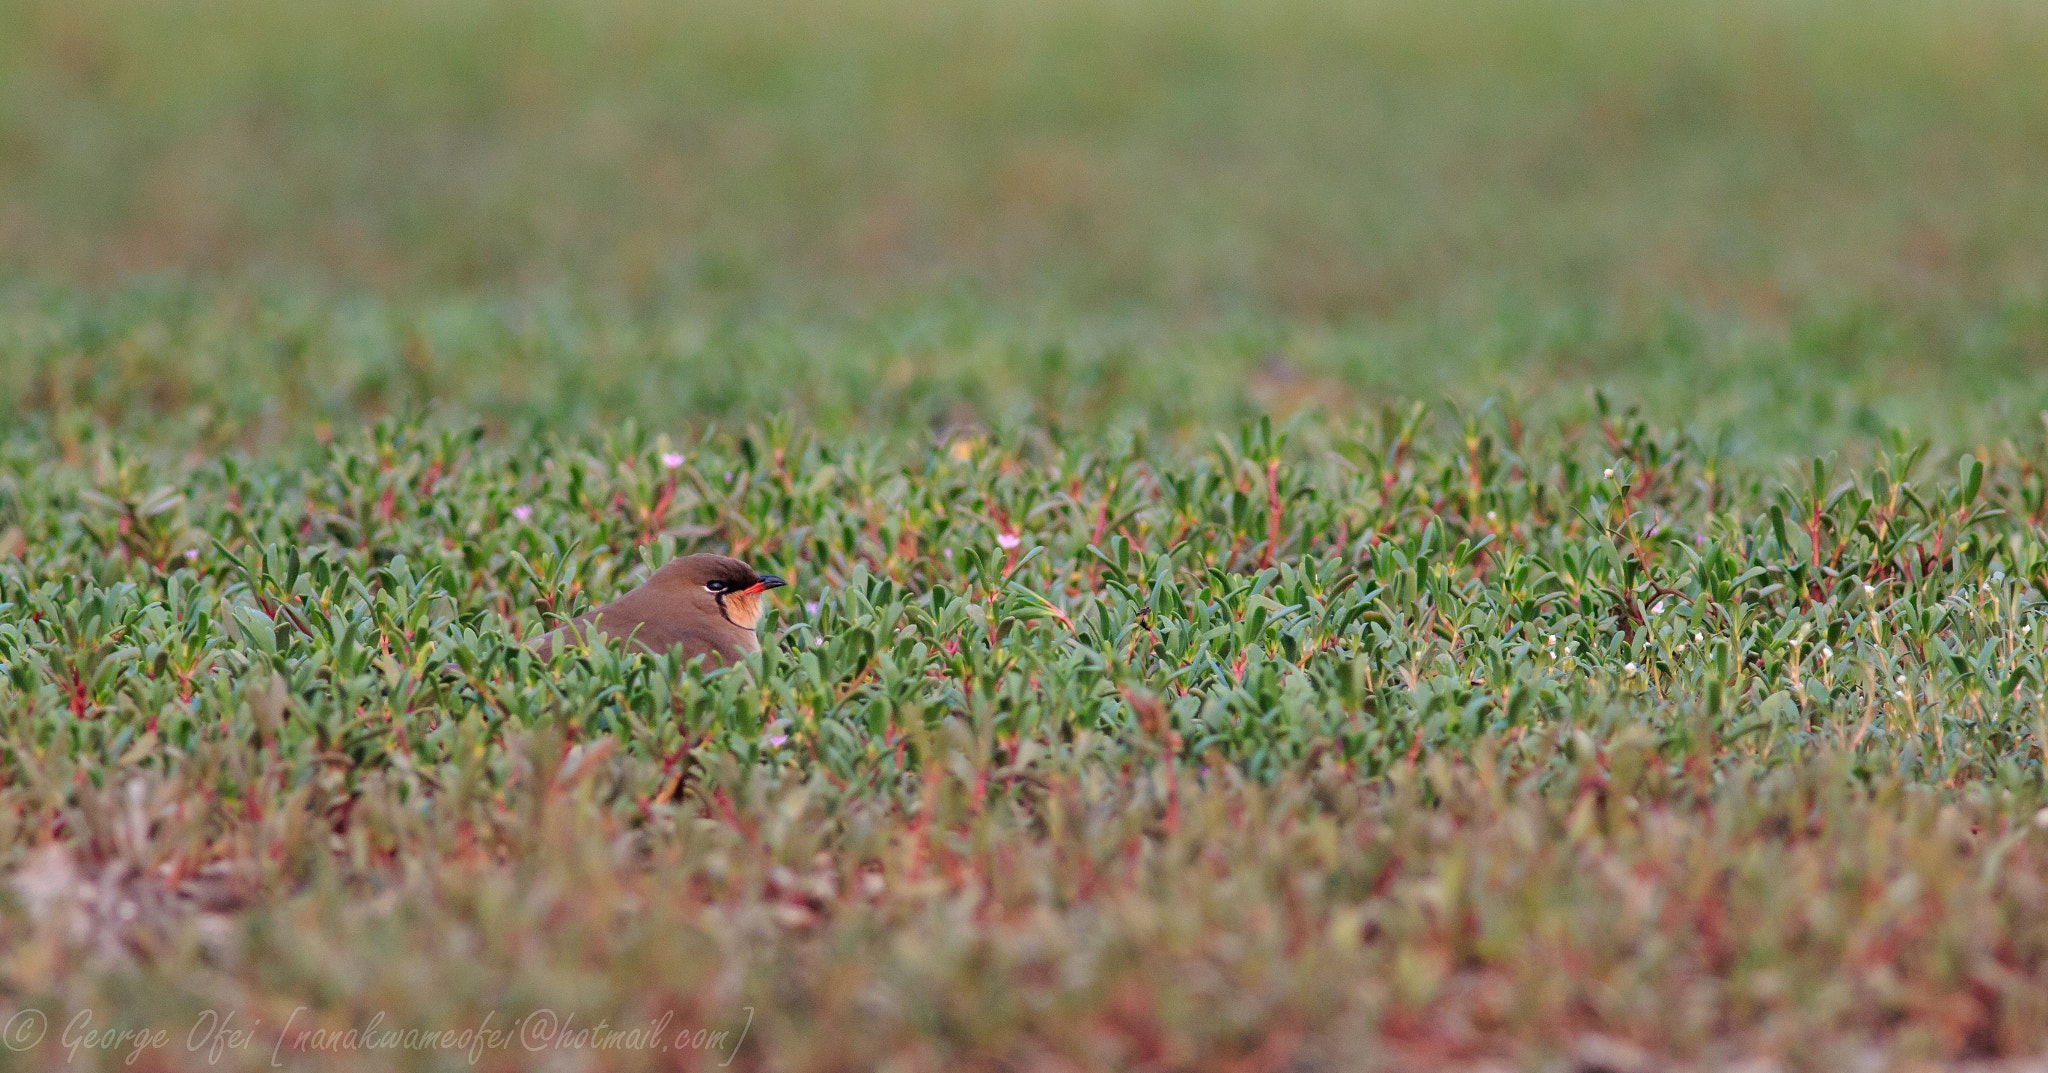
[706, 605]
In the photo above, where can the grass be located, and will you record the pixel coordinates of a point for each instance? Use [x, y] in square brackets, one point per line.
[1317, 160]
[1428, 707]
[1406, 536]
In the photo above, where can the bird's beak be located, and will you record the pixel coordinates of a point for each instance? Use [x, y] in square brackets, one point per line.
[766, 582]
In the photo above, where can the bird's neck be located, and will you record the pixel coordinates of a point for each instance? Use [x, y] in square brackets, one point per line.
[742, 609]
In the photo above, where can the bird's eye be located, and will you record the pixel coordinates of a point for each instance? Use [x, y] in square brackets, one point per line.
[714, 586]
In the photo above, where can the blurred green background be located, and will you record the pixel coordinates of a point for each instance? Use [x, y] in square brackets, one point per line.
[1796, 222]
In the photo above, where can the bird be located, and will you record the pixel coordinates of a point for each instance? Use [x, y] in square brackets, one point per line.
[705, 605]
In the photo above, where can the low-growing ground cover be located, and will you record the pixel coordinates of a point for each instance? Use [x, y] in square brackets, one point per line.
[1483, 534]
[1401, 742]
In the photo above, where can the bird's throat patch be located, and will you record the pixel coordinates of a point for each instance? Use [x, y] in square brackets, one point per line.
[742, 609]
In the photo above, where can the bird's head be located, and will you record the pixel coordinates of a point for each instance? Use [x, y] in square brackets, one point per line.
[718, 585]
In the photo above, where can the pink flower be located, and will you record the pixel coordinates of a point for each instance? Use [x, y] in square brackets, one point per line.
[671, 460]
[1008, 540]
[523, 512]
[948, 553]
[191, 555]
[777, 739]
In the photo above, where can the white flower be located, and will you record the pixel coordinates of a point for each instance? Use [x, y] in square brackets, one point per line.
[1607, 473]
[1628, 668]
[1699, 638]
[1899, 680]
[1869, 589]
